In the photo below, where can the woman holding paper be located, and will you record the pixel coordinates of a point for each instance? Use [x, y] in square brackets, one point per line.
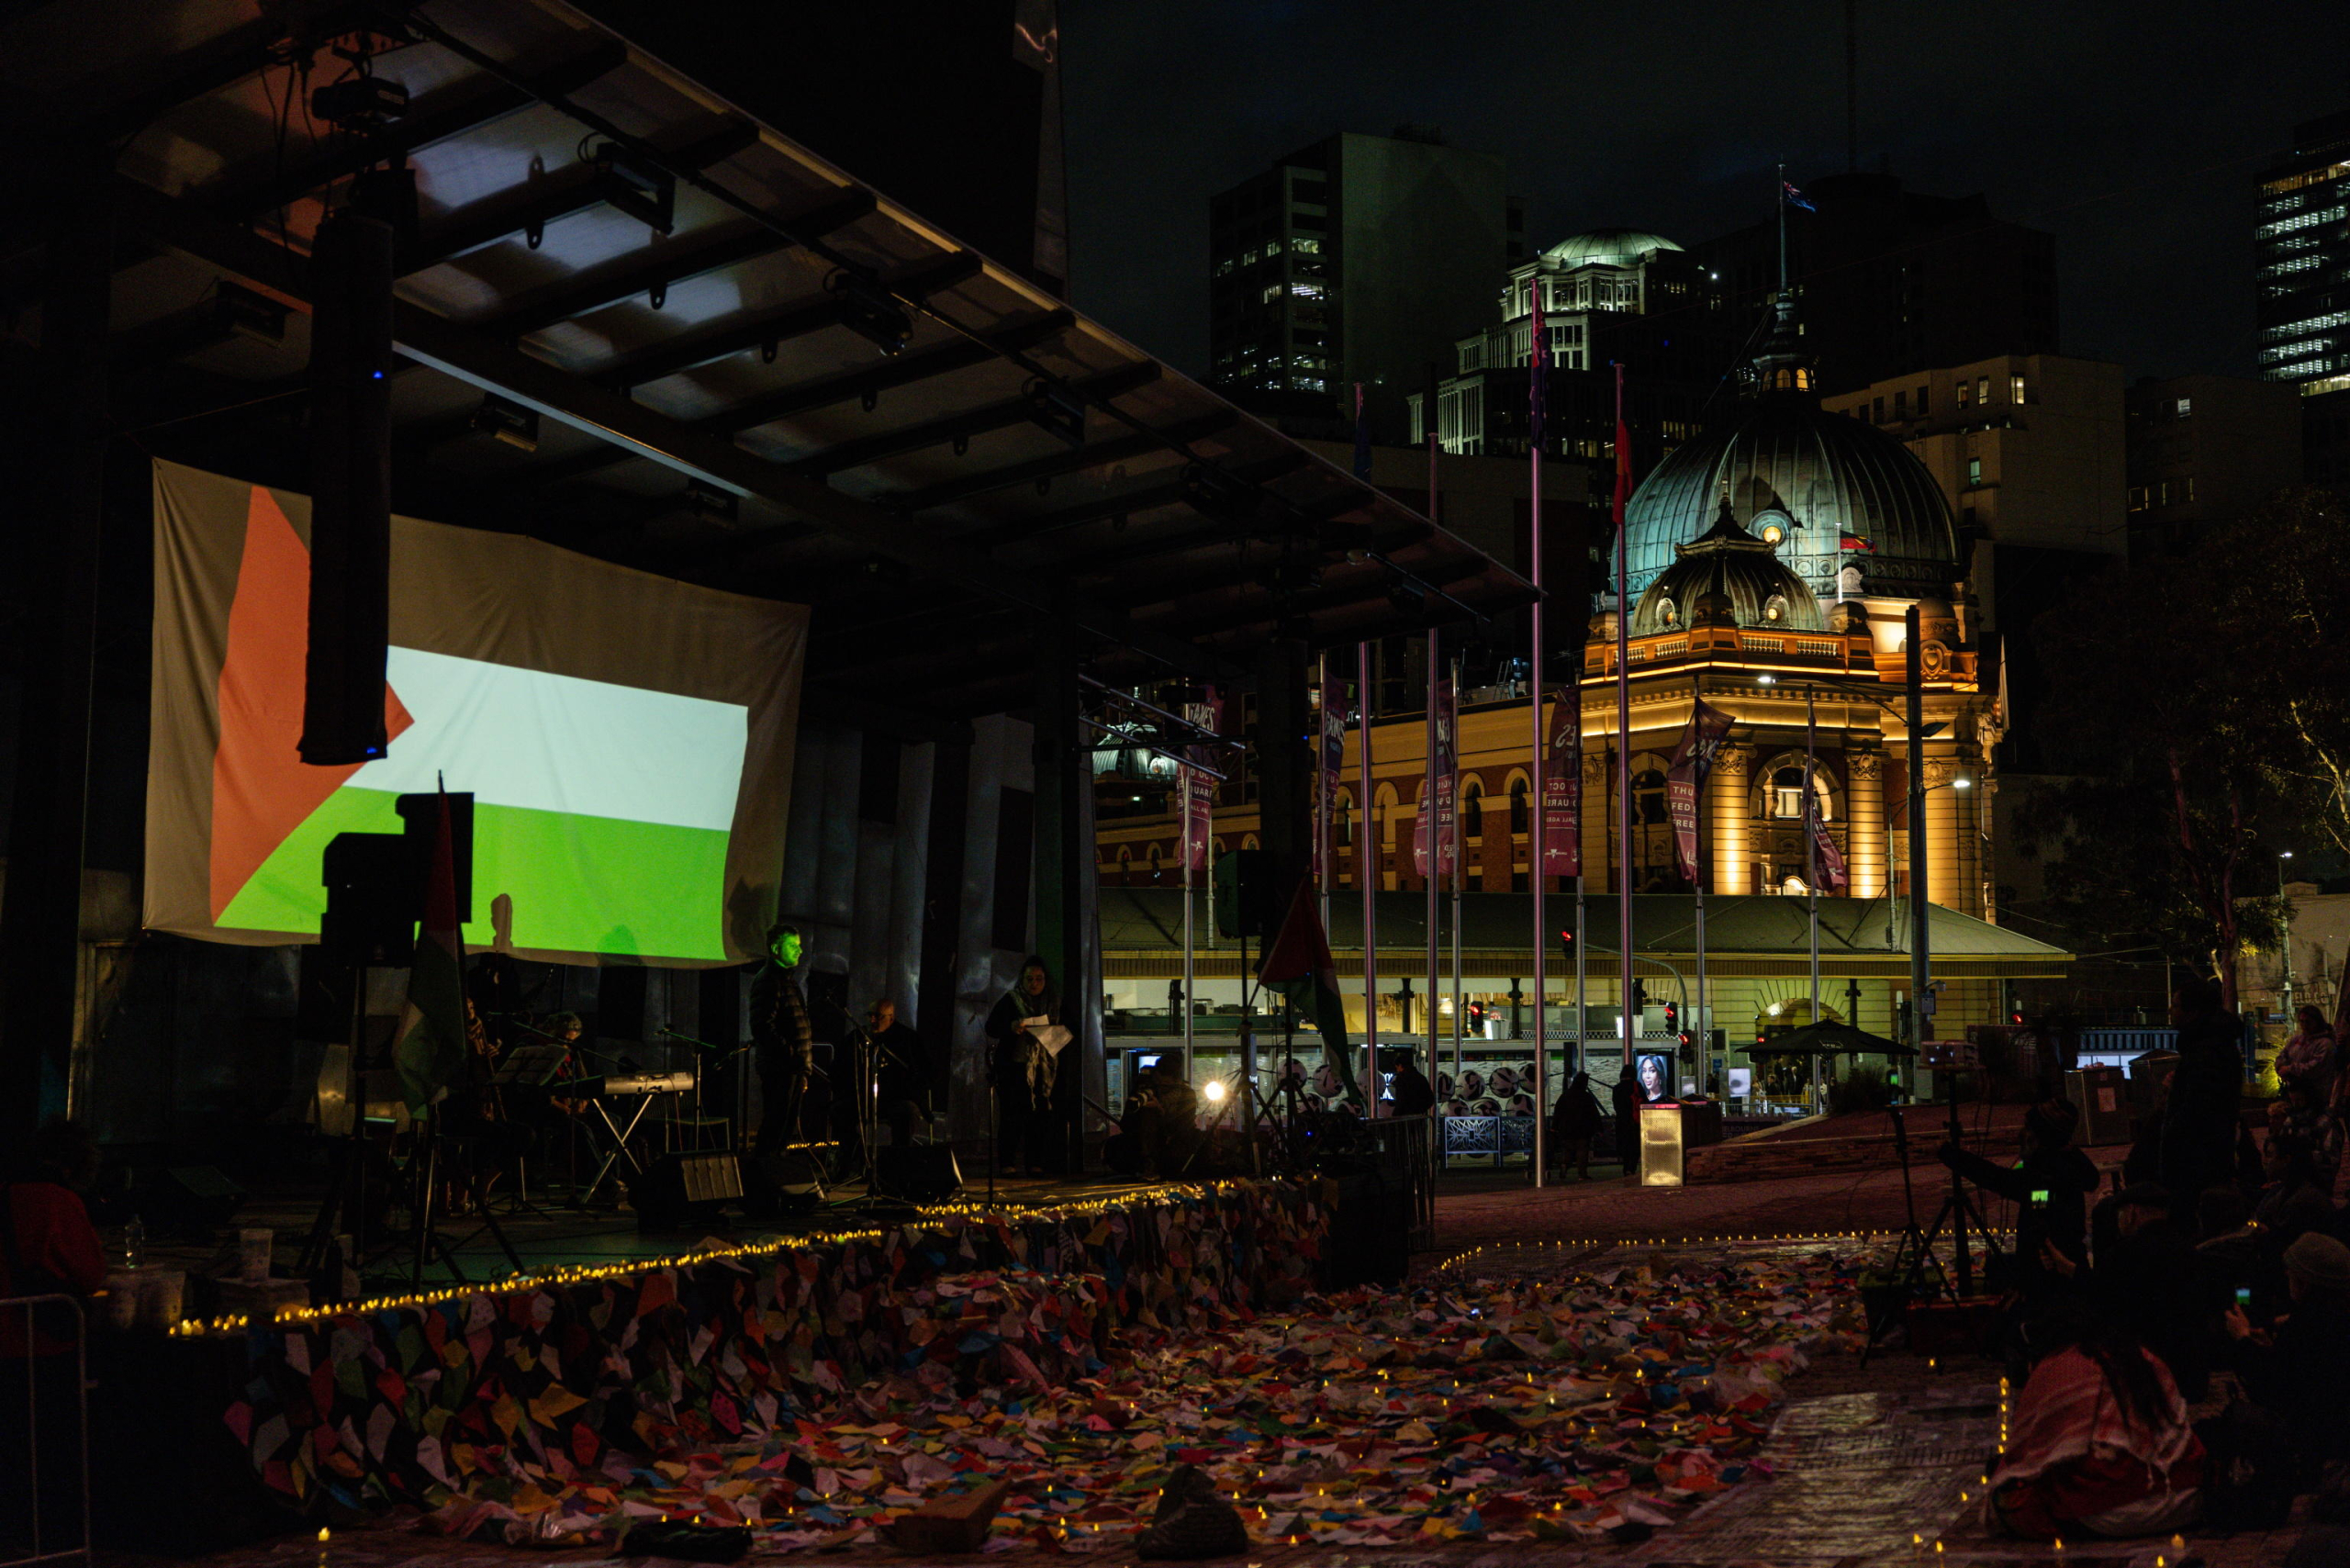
[1024, 1037]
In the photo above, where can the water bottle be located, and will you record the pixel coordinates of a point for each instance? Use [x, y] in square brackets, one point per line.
[134, 1243]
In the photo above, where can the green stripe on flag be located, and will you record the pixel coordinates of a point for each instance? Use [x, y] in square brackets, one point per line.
[580, 884]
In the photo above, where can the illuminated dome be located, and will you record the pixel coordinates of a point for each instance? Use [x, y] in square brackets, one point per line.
[1606, 247]
[1727, 575]
[1805, 481]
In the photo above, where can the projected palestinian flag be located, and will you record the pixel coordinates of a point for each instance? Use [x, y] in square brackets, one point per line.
[626, 738]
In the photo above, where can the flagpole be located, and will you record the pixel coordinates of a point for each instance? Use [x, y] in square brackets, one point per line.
[1459, 871]
[1430, 827]
[1624, 752]
[1698, 1024]
[1811, 862]
[1538, 367]
[1367, 875]
[1325, 862]
[1191, 970]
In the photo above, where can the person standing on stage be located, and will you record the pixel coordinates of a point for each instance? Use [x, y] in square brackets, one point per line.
[1022, 1071]
[783, 1041]
[900, 1071]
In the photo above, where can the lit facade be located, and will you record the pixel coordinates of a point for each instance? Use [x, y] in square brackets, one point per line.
[2302, 259]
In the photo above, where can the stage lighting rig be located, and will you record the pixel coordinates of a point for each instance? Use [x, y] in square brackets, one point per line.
[870, 312]
[360, 105]
[503, 420]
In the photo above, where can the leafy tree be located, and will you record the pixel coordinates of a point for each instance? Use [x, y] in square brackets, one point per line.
[2198, 703]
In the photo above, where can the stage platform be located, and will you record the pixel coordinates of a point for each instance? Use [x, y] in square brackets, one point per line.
[551, 1234]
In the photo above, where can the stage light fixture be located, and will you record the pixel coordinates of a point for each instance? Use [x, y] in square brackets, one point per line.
[870, 312]
[359, 103]
[503, 420]
[637, 186]
[711, 504]
[1057, 409]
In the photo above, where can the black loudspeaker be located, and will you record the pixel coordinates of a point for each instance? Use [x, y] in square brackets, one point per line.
[684, 1189]
[352, 272]
[371, 903]
[420, 825]
[777, 1186]
[1243, 894]
[924, 1173]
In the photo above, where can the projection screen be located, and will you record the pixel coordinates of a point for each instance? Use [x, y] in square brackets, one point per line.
[627, 738]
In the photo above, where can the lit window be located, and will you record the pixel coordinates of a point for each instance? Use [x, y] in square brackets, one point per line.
[2183, 408]
[1983, 390]
[2015, 388]
[2138, 497]
[1786, 793]
[1973, 470]
[1966, 395]
[1774, 609]
[2187, 488]
[1305, 245]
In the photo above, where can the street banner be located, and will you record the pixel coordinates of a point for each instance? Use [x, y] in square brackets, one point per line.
[1195, 792]
[1448, 782]
[1684, 780]
[1329, 759]
[1832, 874]
[1563, 787]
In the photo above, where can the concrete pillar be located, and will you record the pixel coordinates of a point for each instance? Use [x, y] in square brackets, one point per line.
[1865, 822]
[1729, 805]
[1945, 874]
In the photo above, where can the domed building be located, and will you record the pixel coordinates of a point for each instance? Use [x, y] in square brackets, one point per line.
[1772, 565]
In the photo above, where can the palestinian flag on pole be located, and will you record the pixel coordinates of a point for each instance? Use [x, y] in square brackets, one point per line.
[1298, 967]
[431, 1051]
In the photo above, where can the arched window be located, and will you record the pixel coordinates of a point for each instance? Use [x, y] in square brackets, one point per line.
[1518, 805]
[1648, 797]
[1343, 818]
[1472, 808]
[1383, 801]
[1249, 842]
[1786, 793]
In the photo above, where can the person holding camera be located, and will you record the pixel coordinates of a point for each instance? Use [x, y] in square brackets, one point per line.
[2050, 1185]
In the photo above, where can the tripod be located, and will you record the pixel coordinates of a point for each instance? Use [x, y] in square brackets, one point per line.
[1959, 1211]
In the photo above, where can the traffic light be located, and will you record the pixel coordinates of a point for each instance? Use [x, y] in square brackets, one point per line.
[1567, 942]
[1640, 994]
[1672, 1020]
[1476, 1011]
[1688, 1048]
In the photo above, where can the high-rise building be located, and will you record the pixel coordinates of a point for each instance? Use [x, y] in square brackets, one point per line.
[2302, 252]
[2207, 449]
[1611, 297]
[1357, 259]
[1892, 280]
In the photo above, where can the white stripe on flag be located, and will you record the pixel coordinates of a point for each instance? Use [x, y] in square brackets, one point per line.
[556, 742]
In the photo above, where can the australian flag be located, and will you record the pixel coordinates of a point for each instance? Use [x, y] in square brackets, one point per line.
[1795, 198]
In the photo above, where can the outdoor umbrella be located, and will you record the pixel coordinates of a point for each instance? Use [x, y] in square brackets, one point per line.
[1828, 1040]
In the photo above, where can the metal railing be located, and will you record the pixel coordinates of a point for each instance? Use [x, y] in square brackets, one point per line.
[44, 1460]
[2129, 1042]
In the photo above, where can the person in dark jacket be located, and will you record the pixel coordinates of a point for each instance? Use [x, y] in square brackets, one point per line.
[783, 1041]
[2152, 1282]
[1628, 1099]
[2199, 1124]
[1022, 1069]
[1415, 1095]
[2299, 1371]
[48, 1247]
[1574, 1123]
[2050, 1187]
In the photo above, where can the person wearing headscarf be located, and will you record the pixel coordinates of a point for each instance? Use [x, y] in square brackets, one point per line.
[1022, 1069]
[2101, 1443]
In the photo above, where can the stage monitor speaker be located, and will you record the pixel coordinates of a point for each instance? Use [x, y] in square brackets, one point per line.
[1243, 894]
[420, 822]
[778, 1185]
[352, 272]
[684, 1189]
[924, 1173]
[370, 907]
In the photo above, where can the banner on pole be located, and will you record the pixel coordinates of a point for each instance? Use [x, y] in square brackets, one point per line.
[1684, 780]
[1448, 783]
[1195, 793]
[1329, 762]
[1832, 873]
[1563, 787]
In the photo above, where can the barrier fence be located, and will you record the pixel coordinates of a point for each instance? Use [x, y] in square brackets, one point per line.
[44, 1431]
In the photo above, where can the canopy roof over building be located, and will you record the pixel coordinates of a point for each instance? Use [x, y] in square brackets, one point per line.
[1606, 247]
[636, 322]
[1748, 935]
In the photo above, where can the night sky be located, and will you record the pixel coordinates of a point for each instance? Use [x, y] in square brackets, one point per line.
[2132, 131]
